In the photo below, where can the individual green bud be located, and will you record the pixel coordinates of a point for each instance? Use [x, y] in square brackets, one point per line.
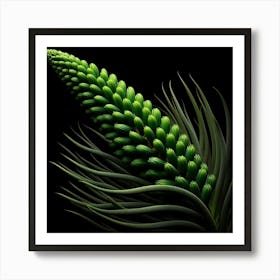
[91, 78]
[145, 150]
[106, 127]
[206, 193]
[64, 57]
[194, 188]
[86, 94]
[154, 174]
[95, 89]
[88, 102]
[104, 118]
[122, 141]
[129, 117]
[119, 117]
[67, 77]
[131, 149]
[137, 108]
[148, 105]
[69, 84]
[108, 93]
[136, 137]
[82, 68]
[139, 163]
[139, 97]
[60, 56]
[145, 114]
[171, 156]
[130, 94]
[175, 130]
[165, 124]
[94, 68]
[180, 148]
[127, 105]
[72, 71]
[152, 122]
[156, 162]
[84, 86]
[55, 63]
[170, 141]
[149, 134]
[138, 123]
[70, 57]
[182, 164]
[122, 128]
[77, 59]
[69, 65]
[84, 63]
[158, 145]
[181, 181]
[111, 135]
[100, 82]
[76, 88]
[211, 180]
[201, 177]
[112, 84]
[191, 170]
[96, 110]
[74, 65]
[185, 139]
[114, 78]
[65, 71]
[197, 159]
[100, 99]
[75, 80]
[170, 169]
[190, 152]
[121, 92]
[82, 76]
[160, 134]
[104, 74]
[122, 85]
[117, 101]
[204, 166]
[157, 114]
[165, 182]
[111, 108]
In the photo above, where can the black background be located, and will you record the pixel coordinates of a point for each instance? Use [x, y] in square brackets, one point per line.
[145, 69]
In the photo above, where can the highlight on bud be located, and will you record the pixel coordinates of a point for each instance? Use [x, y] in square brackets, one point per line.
[171, 156]
[194, 188]
[170, 169]
[165, 124]
[156, 162]
[190, 152]
[206, 193]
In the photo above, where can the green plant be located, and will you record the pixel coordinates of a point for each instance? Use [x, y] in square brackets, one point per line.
[164, 153]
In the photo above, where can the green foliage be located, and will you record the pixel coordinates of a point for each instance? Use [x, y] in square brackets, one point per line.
[164, 153]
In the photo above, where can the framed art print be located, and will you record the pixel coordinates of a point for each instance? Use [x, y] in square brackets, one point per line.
[140, 139]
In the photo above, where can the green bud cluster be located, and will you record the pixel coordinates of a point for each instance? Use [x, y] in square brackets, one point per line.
[138, 133]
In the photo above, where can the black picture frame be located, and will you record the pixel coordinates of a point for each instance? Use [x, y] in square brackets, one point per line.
[246, 34]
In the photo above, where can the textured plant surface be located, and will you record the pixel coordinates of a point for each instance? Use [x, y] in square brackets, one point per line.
[156, 168]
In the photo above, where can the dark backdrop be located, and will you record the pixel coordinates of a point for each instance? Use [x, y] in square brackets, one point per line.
[143, 68]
